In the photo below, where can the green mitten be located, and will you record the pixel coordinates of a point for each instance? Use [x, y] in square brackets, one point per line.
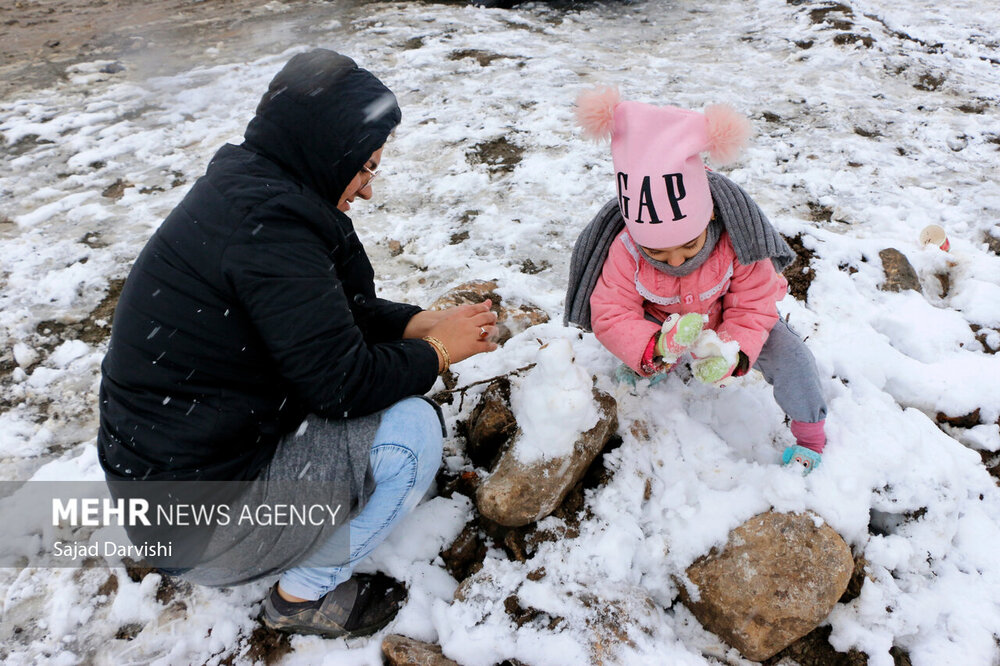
[714, 370]
[714, 359]
[677, 334]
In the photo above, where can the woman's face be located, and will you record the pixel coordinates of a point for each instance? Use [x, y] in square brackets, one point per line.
[361, 184]
[675, 256]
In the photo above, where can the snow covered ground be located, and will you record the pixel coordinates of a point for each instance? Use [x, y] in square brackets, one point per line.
[872, 120]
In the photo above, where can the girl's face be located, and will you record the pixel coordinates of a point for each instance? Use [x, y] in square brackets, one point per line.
[675, 256]
[361, 184]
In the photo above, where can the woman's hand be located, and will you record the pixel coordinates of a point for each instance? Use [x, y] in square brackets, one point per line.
[465, 330]
[421, 323]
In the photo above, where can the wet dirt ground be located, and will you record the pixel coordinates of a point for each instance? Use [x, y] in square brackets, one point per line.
[39, 39]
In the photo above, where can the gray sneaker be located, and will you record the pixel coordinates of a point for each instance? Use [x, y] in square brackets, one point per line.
[359, 607]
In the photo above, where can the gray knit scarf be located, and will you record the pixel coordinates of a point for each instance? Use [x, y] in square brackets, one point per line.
[751, 233]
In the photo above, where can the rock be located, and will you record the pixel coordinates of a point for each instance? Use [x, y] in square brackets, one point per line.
[606, 617]
[516, 494]
[463, 483]
[814, 649]
[267, 646]
[512, 318]
[958, 142]
[857, 581]
[128, 632]
[116, 190]
[523, 317]
[491, 424]
[777, 578]
[474, 291]
[992, 463]
[474, 587]
[970, 420]
[899, 273]
[992, 241]
[402, 651]
[610, 622]
[395, 248]
[616, 620]
[466, 553]
[800, 273]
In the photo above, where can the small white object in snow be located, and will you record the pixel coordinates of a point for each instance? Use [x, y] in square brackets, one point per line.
[24, 355]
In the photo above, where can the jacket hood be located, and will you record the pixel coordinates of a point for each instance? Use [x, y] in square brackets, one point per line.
[321, 118]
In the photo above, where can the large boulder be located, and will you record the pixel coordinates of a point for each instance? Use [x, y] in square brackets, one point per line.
[512, 317]
[518, 493]
[777, 579]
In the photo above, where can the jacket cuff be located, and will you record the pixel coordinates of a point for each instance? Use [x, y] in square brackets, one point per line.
[742, 365]
[399, 316]
[646, 364]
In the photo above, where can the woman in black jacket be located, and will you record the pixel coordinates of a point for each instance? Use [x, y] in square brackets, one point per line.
[249, 345]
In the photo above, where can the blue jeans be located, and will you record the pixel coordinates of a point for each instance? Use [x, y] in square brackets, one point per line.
[405, 457]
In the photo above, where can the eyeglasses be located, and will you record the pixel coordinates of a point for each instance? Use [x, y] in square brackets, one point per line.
[371, 175]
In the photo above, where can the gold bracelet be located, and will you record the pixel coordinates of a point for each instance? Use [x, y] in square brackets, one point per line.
[441, 350]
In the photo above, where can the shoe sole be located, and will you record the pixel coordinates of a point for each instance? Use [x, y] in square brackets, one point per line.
[305, 630]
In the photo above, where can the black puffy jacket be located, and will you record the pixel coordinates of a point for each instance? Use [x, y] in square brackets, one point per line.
[254, 303]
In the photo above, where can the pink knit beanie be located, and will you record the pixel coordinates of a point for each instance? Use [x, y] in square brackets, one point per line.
[662, 187]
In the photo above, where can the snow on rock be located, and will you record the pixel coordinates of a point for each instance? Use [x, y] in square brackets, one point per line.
[513, 315]
[517, 493]
[552, 404]
[501, 612]
[777, 578]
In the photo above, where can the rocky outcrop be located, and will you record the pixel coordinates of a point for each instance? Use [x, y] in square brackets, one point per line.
[607, 618]
[402, 651]
[777, 579]
[899, 273]
[516, 493]
[615, 621]
[491, 424]
[512, 318]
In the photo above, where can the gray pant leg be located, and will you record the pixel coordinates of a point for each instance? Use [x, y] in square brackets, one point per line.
[790, 368]
[315, 465]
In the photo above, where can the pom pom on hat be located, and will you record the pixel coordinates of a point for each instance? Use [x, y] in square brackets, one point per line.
[728, 132]
[595, 111]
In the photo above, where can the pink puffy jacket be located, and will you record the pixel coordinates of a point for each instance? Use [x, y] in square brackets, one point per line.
[740, 301]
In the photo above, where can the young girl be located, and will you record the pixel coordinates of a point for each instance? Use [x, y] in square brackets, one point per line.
[695, 268]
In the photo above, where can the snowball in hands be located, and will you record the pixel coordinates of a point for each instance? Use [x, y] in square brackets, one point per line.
[553, 404]
[710, 344]
[714, 359]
